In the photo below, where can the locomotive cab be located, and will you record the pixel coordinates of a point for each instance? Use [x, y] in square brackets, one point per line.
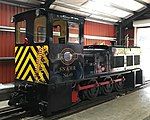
[52, 41]
[48, 53]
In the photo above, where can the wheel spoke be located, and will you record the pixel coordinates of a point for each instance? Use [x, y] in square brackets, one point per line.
[93, 92]
[106, 89]
[119, 86]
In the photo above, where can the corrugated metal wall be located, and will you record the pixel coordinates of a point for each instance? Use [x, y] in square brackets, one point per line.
[7, 39]
[98, 29]
[6, 12]
[7, 42]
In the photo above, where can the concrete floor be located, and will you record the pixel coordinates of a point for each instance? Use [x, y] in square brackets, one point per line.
[134, 106]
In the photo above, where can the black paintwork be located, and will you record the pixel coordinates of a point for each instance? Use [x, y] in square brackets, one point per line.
[58, 68]
[89, 62]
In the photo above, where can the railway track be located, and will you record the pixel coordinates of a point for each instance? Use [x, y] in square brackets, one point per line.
[79, 107]
[12, 113]
[88, 104]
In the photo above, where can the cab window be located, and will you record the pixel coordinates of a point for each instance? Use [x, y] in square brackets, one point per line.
[21, 32]
[40, 29]
[73, 32]
[59, 31]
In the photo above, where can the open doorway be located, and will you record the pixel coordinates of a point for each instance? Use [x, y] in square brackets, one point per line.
[143, 40]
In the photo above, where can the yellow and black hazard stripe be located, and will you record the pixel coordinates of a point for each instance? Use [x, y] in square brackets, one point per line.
[31, 63]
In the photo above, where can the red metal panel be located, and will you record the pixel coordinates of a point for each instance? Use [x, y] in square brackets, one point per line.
[111, 31]
[99, 29]
[7, 16]
[85, 27]
[0, 13]
[7, 42]
[6, 50]
[6, 12]
[6, 72]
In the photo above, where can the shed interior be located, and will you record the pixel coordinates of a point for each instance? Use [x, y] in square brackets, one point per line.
[106, 21]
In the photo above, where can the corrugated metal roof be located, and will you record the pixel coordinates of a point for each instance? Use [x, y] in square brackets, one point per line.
[102, 10]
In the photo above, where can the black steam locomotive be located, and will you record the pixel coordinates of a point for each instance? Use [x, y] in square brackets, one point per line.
[54, 70]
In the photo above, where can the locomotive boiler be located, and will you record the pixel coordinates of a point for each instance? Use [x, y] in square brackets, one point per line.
[53, 70]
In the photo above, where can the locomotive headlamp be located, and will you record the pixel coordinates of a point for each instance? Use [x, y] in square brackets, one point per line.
[68, 56]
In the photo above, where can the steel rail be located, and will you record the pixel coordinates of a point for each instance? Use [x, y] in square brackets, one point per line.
[19, 114]
[9, 112]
